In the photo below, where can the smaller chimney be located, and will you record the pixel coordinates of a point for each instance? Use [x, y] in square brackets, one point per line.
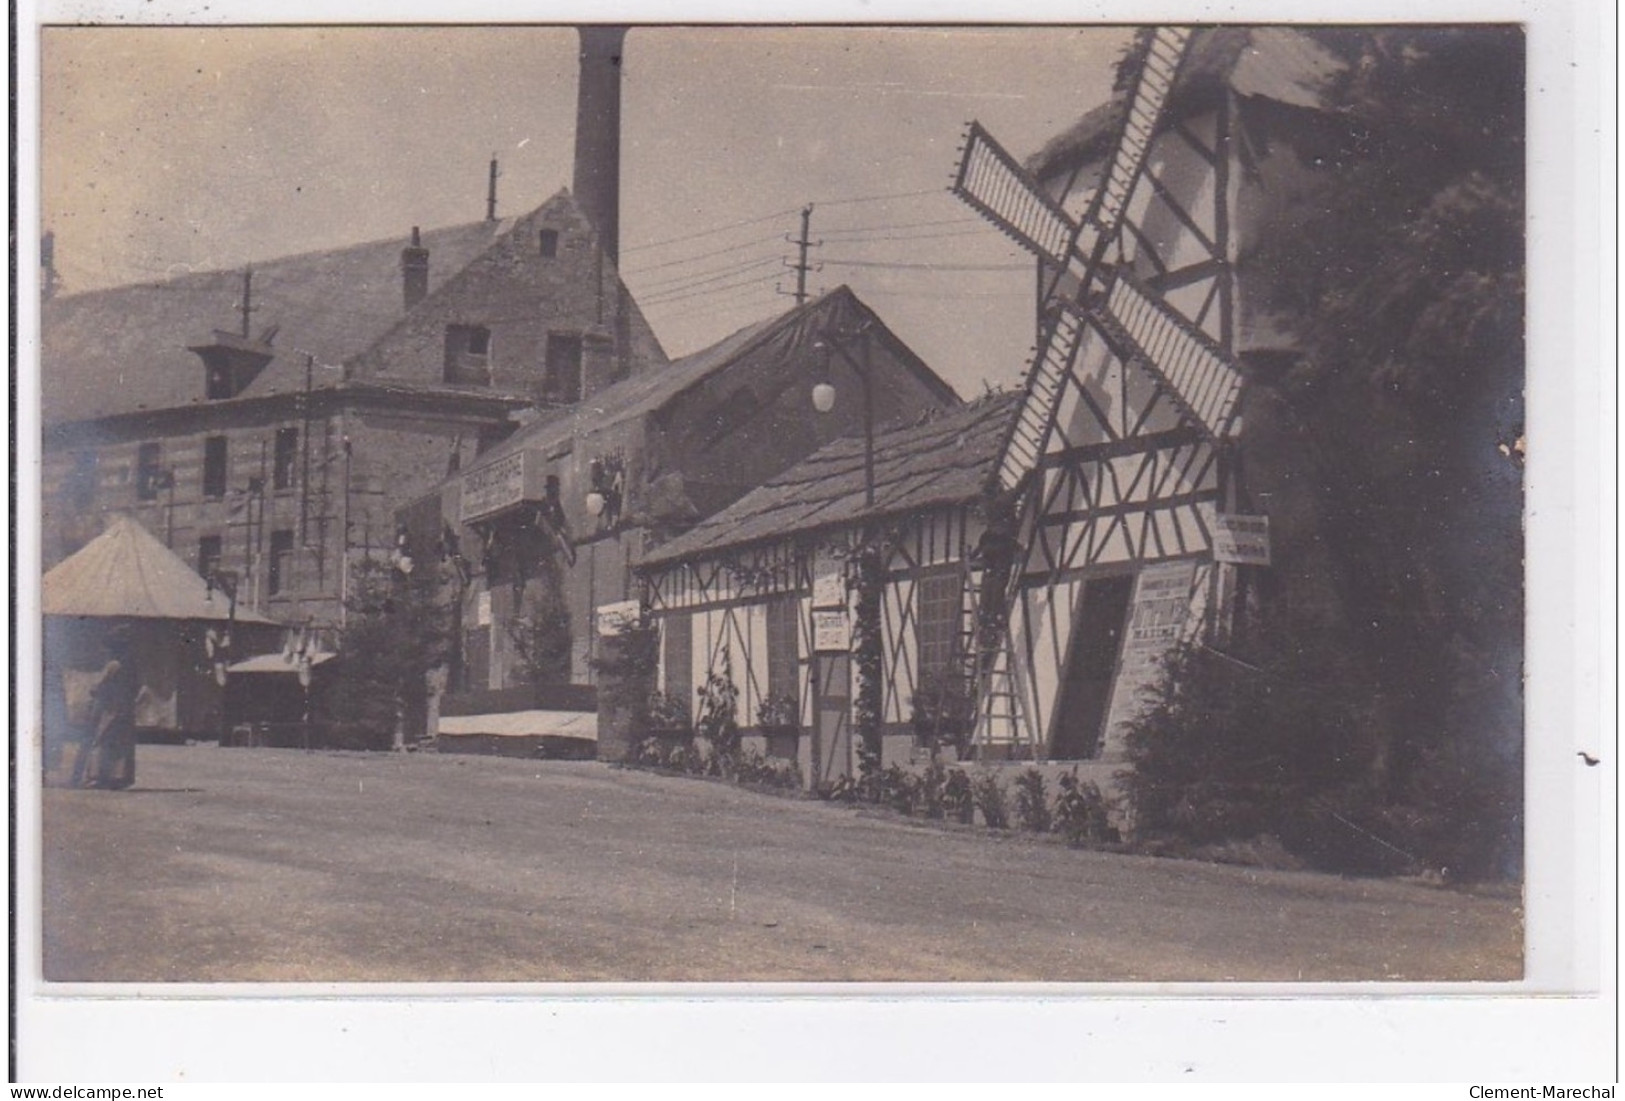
[414, 271]
[491, 191]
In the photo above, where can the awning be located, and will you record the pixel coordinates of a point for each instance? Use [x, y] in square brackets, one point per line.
[275, 663]
[525, 724]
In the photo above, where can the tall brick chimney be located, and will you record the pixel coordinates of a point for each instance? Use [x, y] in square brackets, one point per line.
[414, 271]
[597, 185]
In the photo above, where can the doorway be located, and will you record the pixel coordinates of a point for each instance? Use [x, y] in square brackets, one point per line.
[1097, 639]
[832, 729]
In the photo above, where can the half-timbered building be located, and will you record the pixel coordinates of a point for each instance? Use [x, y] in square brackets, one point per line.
[1135, 523]
[762, 592]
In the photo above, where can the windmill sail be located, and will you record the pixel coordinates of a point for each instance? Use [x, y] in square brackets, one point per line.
[1087, 303]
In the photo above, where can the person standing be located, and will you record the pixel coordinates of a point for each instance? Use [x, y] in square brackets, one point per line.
[112, 716]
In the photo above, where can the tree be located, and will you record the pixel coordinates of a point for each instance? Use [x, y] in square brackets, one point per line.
[397, 630]
[1403, 283]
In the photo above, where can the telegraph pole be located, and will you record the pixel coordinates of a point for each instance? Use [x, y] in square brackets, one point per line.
[491, 192]
[803, 243]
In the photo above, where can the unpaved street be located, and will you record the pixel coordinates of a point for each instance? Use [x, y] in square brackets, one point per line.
[240, 865]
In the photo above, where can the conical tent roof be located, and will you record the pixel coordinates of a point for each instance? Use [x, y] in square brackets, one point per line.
[124, 571]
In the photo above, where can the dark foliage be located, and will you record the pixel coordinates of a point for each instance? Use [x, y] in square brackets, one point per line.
[398, 629]
[1387, 733]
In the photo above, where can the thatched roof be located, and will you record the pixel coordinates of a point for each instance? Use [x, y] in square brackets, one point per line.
[1283, 64]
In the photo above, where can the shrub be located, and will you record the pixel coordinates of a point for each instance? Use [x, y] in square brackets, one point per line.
[1226, 748]
[718, 723]
[1082, 812]
[668, 712]
[932, 796]
[944, 710]
[987, 791]
[900, 789]
[958, 798]
[1032, 802]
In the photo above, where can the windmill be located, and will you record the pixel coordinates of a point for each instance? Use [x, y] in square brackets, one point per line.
[1120, 452]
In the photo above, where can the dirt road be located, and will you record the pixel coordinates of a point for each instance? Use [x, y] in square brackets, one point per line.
[242, 865]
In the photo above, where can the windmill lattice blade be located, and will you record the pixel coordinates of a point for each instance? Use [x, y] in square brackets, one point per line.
[1157, 75]
[1189, 362]
[1000, 190]
[1029, 435]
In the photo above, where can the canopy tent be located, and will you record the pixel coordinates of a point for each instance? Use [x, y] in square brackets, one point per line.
[126, 572]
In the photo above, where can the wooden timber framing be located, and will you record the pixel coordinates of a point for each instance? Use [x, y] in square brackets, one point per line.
[1123, 451]
[723, 598]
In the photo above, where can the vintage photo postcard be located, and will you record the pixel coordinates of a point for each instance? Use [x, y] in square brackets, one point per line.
[904, 510]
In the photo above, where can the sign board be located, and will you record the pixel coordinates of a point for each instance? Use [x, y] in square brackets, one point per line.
[831, 633]
[1244, 540]
[482, 609]
[829, 590]
[615, 618]
[1158, 615]
[494, 487]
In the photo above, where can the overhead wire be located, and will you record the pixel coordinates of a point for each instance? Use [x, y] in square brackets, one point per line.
[905, 266]
[700, 279]
[663, 301]
[753, 242]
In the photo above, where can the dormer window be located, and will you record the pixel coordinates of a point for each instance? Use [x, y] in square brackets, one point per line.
[468, 355]
[550, 243]
[232, 362]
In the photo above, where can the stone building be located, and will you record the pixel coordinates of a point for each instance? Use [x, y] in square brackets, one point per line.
[265, 424]
[550, 523]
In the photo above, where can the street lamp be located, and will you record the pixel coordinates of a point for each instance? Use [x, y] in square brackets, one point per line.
[823, 397]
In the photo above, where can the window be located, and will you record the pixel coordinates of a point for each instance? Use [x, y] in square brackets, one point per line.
[208, 555]
[676, 638]
[561, 382]
[281, 572]
[149, 471]
[217, 379]
[939, 611]
[550, 243]
[214, 467]
[468, 355]
[783, 652]
[82, 481]
[287, 451]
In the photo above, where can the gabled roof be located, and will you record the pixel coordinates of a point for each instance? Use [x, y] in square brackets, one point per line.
[124, 349]
[945, 460]
[1277, 63]
[649, 391]
[126, 572]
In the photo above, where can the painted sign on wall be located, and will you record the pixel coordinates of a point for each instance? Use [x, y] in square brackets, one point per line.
[494, 487]
[615, 618]
[829, 590]
[831, 634]
[1244, 540]
[1158, 615]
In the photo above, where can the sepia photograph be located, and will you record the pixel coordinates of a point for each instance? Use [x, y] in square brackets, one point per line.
[822, 506]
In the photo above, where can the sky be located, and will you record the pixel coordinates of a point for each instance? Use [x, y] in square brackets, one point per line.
[176, 149]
